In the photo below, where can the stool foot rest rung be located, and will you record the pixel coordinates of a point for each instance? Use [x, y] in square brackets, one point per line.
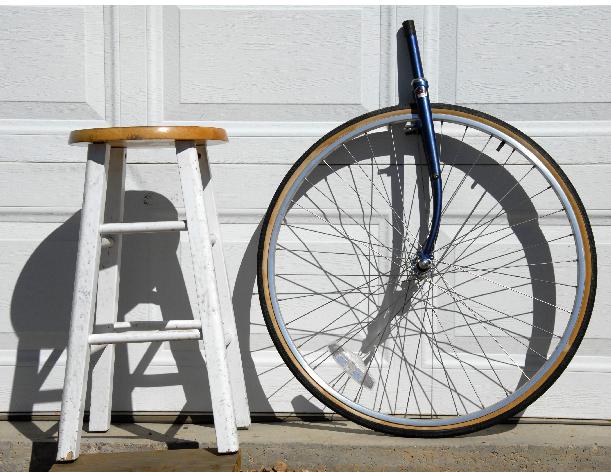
[145, 326]
[143, 227]
[144, 336]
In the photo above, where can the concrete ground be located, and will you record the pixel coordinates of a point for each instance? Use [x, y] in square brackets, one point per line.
[335, 446]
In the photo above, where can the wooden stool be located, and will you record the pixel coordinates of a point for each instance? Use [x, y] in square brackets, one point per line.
[102, 215]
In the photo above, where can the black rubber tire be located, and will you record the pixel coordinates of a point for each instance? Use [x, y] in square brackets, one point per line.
[523, 402]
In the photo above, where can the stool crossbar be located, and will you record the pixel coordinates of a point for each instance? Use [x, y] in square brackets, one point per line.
[94, 326]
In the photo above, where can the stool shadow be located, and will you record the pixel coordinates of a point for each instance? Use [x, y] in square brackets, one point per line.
[151, 276]
[151, 279]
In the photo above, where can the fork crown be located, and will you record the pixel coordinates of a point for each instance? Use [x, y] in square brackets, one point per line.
[420, 88]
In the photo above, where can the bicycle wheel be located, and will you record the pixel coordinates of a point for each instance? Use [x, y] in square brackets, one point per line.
[478, 338]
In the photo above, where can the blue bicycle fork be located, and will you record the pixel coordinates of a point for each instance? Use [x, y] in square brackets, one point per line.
[427, 132]
[356, 363]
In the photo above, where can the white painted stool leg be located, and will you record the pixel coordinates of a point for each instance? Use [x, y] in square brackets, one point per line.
[108, 301]
[85, 285]
[234, 357]
[207, 297]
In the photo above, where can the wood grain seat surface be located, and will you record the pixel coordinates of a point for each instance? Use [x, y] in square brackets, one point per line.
[145, 136]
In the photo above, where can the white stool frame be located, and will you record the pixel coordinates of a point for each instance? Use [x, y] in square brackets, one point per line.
[98, 271]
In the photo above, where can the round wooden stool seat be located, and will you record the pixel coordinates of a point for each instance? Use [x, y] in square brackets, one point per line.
[144, 136]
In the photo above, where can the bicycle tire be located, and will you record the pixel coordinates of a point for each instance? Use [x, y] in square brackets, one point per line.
[478, 422]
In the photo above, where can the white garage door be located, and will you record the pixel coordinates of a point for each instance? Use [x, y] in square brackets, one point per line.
[277, 79]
